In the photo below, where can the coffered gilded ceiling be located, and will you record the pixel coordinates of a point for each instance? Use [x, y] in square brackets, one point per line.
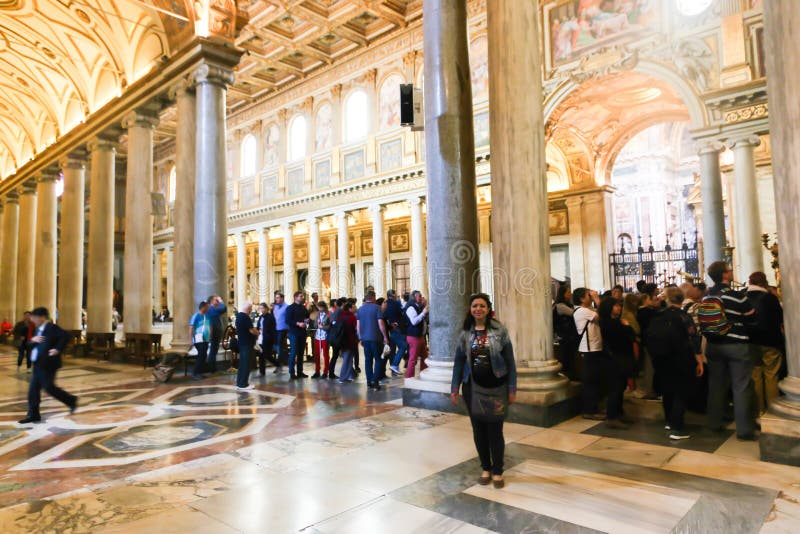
[286, 40]
[60, 60]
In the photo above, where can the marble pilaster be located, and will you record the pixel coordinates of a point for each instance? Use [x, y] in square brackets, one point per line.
[26, 255]
[521, 239]
[314, 281]
[263, 264]
[8, 257]
[780, 437]
[46, 248]
[378, 252]
[100, 261]
[241, 270]
[170, 277]
[183, 235]
[137, 257]
[332, 240]
[452, 242]
[749, 250]
[289, 270]
[210, 216]
[713, 208]
[418, 268]
[70, 252]
[342, 256]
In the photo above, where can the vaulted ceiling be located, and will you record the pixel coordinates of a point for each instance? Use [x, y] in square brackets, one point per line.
[60, 60]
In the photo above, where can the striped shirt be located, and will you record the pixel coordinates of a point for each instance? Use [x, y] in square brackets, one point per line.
[737, 308]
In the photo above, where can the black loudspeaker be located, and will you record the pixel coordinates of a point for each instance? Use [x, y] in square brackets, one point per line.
[406, 104]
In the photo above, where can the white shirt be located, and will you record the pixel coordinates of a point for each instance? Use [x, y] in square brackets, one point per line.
[592, 341]
[35, 352]
[415, 317]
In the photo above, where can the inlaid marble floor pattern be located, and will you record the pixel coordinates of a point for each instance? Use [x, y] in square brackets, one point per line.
[318, 457]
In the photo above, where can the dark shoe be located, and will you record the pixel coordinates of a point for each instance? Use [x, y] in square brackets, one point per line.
[73, 406]
[30, 420]
[332, 375]
[747, 437]
[292, 376]
[302, 375]
[262, 373]
[617, 424]
[315, 376]
[358, 370]
[498, 483]
[485, 481]
[277, 370]
[594, 416]
[197, 377]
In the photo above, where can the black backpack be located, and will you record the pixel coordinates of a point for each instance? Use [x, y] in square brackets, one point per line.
[335, 335]
[660, 338]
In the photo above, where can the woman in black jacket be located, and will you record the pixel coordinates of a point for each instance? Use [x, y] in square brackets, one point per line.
[618, 339]
[266, 339]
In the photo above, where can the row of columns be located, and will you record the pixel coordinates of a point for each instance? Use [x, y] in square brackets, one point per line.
[339, 255]
[747, 230]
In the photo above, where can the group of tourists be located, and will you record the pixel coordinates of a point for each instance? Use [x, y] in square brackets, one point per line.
[389, 330]
[691, 345]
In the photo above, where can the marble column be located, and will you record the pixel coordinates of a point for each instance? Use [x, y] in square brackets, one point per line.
[8, 257]
[452, 241]
[780, 429]
[289, 271]
[137, 287]
[170, 277]
[210, 216]
[100, 261]
[314, 283]
[520, 235]
[70, 252]
[241, 270]
[263, 264]
[156, 286]
[183, 236]
[26, 258]
[378, 253]
[418, 275]
[334, 287]
[342, 255]
[713, 208]
[44, 286]
[749, 250]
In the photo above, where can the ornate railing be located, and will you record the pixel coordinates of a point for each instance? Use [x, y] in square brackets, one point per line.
[667, 266]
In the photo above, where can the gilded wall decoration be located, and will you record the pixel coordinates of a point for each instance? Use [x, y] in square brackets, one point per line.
[399, 240]
[354, 166]
[277, 255]
[575, 27]
[366, 245]
[749, 113]
[325, 251]
[558, 222]
[391, 155]
[351, 247]
[301, 252]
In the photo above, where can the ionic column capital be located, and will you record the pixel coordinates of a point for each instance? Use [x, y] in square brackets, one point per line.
[377, 209]
[313, 221]
[140, 120]
[27, 188]
[287, 226]
[336, 91]
[74, 162]
[180, 88]
[102, 144]
[213, 74]
[47, 176]
[750, 141]
[709, 147]
[12, 197]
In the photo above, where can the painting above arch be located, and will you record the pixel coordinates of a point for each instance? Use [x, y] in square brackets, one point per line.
[389, 102]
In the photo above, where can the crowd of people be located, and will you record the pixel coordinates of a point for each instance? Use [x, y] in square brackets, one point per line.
[693, 346]
[390, 330]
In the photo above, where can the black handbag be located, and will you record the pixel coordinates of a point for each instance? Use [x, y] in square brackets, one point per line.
[488, 405]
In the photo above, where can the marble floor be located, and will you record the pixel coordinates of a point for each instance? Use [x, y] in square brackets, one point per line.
[320, 457]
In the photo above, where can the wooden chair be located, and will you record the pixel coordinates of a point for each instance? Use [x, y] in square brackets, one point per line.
[100, 344]
[144, 345]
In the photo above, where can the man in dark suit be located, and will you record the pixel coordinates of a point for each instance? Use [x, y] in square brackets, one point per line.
[47, 344]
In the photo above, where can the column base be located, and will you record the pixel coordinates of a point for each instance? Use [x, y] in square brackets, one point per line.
[779, 441]
[179, 347]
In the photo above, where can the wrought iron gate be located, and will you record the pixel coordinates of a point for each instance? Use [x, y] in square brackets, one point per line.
[657, 266]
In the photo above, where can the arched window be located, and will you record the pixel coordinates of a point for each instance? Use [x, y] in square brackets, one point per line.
[356, 116]
[249, 155]
[297, 138]
[173, 176]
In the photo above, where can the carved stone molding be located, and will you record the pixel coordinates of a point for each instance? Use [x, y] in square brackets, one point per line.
[210, 73]
[758, 111]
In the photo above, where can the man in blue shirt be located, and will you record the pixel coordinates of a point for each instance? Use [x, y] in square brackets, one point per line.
[297, 321]
[281, 329]
[393, 317]
[216, 313]
[200, 334]
[246, 334]
[371, 332]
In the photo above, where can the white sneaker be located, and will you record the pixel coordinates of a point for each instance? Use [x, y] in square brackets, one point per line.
[667, 427]
[248, 387]
[679, 435]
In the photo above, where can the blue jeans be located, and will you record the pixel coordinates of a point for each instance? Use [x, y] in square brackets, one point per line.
[243, 373]
[730, 366]
[372, 355]
[346, 372]
[280, 346]
[398, 339]
[297, 350]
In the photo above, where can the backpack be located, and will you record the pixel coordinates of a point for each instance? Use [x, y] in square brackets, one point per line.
[712, 317]
[564, 328]
[660, 339]
[335, 335]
